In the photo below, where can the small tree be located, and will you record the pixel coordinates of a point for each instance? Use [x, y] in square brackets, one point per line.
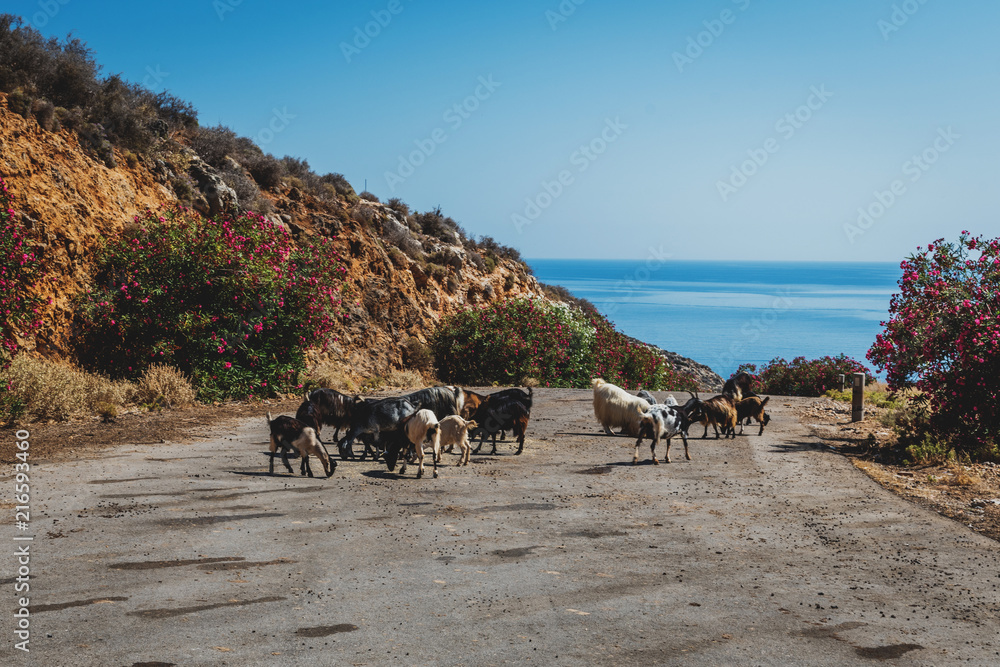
[943, 337]
[230, 301]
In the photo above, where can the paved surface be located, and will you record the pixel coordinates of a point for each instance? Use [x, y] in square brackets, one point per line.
[761, 550]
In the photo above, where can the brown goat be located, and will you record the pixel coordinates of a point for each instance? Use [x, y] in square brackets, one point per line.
[717, 411]
[753, 408]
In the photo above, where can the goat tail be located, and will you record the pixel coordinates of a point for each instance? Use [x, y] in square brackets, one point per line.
[269, 420]
[764, 402]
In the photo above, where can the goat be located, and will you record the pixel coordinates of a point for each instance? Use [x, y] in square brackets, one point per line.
[646, 396]
[332, 409]
[473, 401]
[288, 433]
[616, 408]
[753, 408]
[745, 382]
[501, 414]
[442, 401]
[310, 414]
[421, 426]
[455, 431]
[717, 411]
[374, 417]
[732, 390]
[662, 421]
[413, 431]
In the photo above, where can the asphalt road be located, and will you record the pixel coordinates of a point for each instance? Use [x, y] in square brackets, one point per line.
[760, 550]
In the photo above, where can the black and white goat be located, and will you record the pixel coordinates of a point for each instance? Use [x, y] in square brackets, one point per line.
[662, 422]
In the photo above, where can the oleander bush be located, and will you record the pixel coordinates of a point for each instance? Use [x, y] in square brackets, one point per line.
[803, 377]
[21, 268]
[557, 344]
[943, 338]
[229, 301]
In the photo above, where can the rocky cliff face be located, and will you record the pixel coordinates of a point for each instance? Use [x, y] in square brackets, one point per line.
[73, 200]
[398, 290]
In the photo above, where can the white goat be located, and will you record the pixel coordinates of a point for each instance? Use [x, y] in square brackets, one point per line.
[455, 431]
[616, 408]
[421, 426]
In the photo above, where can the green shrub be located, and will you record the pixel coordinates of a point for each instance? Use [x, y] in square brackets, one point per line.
[560, 345]
[399, 206]
[943, 338]
[878, 398]
[215, 144]
[229, 301]
[339, 183]
[45, 114]
[19, 102]
[266, 170]
[802, 377]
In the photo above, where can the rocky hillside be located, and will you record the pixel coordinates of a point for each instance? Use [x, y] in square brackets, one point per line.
[399, 280]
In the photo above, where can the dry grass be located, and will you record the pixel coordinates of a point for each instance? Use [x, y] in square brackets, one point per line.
[165, 387]
[54, 391]
[330, 375]
[405, 380]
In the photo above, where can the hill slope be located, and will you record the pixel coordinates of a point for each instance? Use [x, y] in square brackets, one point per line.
[401, 282]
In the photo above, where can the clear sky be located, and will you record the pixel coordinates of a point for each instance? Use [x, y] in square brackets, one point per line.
[720, 129]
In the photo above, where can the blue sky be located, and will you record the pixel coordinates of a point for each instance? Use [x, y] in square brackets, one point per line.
[722, 129]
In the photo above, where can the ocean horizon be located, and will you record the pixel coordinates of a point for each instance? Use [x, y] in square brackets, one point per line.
[726, 313]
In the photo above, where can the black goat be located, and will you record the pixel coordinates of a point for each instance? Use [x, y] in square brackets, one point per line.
[374, 417]
[331, 408]
[442, 401]
[501, 414]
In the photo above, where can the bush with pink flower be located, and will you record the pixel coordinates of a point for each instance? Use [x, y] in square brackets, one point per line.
[556, 344]
[804, 377]
[943, 337]
[232, 301]
[21, 268]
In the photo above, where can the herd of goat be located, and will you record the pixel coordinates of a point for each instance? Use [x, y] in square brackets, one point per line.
[400, 426]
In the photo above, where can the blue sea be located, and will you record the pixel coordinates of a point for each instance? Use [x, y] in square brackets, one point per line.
[723, 314]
